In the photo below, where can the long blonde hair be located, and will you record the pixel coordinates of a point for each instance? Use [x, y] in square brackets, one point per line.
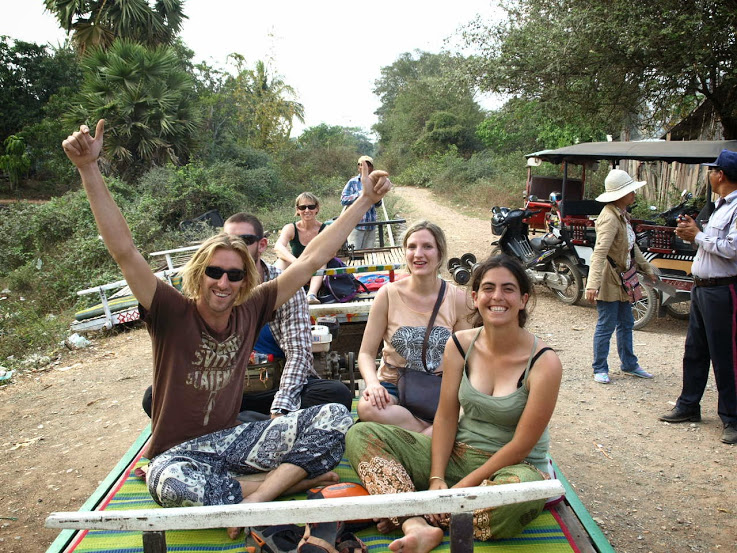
[194, 271]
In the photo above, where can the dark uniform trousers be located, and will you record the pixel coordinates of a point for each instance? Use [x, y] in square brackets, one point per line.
[711, 338]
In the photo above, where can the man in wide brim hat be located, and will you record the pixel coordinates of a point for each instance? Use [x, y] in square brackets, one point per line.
[617, 184]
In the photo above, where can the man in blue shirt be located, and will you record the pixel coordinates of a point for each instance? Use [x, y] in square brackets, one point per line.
[712, 331]
[363, 236]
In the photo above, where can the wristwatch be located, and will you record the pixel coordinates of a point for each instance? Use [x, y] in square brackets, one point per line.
[283, 411]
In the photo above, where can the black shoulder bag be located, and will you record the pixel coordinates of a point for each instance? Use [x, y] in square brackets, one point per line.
[419, 391]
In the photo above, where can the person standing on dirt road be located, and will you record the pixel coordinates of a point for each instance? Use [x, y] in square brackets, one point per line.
[201, 342]
[712, 330]
[614, 252]
[363, 236]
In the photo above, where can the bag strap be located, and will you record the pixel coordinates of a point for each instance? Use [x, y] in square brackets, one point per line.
[435, 310]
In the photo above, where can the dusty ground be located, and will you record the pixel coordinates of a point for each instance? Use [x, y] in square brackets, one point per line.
[651, 486]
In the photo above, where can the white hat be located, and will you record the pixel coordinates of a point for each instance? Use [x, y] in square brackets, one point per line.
[617, 184]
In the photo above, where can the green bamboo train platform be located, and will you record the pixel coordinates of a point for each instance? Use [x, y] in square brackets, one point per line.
[564, 528]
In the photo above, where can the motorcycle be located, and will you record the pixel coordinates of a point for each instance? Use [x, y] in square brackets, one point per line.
[549, 260]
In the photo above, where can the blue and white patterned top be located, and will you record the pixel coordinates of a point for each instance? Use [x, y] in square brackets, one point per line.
[350, 194]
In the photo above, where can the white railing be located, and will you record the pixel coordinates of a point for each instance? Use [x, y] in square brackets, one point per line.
[460, 503]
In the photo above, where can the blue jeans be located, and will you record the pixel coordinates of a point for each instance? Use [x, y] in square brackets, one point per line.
[614, 315]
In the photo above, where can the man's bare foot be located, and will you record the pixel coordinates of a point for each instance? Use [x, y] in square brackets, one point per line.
[385, 525]
[326, 479]
[419, 537]
[251, 482]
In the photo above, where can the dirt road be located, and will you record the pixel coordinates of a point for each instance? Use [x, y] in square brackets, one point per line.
[651, 486]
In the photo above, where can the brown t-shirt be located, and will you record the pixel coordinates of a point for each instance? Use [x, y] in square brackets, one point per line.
[198, 372]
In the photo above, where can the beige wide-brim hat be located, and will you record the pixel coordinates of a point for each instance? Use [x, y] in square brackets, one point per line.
[617, 184]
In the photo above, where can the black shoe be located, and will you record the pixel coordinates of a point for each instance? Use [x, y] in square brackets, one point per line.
[729, 434]
[679, 414]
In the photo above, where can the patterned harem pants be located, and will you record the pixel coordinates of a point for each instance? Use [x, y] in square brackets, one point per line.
[201, 471]
[389, 459]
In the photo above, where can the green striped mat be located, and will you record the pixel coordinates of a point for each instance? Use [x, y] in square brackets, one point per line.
[544, 535]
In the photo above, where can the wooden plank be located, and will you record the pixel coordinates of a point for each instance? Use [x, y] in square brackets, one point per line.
[65, 537]
[575, 529]
[461, 533]
[455, 500]
[601, 543]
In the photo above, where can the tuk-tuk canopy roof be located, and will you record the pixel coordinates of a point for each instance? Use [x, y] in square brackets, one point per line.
[684, 151]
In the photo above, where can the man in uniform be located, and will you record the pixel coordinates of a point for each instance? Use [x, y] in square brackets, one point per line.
[712, 328]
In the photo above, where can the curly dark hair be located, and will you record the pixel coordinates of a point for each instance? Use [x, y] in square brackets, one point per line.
[504, 261]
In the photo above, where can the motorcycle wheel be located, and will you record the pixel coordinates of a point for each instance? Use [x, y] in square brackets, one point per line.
[644, 309]
[574, 292]
[680, 310]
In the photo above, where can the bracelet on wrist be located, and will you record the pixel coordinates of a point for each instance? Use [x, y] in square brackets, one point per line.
[437, 478]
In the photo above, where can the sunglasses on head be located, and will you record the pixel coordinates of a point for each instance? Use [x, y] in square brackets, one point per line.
[249, 238]
[311, 207]
[234, 275]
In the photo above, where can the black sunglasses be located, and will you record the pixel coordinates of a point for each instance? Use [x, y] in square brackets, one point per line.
[311, 207]
[715, 168]
[234, 275]
[249, 238]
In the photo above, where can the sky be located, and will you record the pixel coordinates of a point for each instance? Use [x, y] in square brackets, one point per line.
[331, 52]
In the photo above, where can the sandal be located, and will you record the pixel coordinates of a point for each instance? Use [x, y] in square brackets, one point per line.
[282, 538]
[320, 537]
[349, 543]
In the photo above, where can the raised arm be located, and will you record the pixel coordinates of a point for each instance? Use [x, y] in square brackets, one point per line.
[83, 151]
[281, 247]
[324, 245]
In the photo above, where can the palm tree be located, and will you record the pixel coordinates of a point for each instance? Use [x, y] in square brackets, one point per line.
[264, 102]
[100, 22]
[146, 97]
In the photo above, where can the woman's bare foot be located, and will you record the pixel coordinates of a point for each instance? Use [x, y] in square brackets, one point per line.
[419, 537]
[385, 525]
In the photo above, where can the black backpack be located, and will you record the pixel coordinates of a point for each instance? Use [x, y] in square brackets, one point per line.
[339, 288]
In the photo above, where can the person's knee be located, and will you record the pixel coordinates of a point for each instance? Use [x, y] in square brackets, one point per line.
[367, 412]
[166, 486]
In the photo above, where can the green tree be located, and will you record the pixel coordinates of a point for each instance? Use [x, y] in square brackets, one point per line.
[15, 162]
[265, 101]
[98, 23]
[424, 109]
[29, 75]
[526, 126]
[146, 97]
[615, 63]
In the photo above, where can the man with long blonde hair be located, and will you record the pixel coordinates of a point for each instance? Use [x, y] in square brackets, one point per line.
[201, 344]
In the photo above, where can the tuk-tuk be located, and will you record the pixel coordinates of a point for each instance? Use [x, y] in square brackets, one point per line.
[566, 197]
